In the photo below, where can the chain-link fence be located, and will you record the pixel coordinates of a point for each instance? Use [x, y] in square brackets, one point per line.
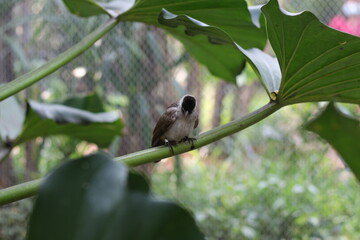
[140, 70]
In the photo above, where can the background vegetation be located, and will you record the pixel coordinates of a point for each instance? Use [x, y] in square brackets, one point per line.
[271, 181]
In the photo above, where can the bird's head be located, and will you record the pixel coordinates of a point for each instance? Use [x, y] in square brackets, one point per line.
[188, 104]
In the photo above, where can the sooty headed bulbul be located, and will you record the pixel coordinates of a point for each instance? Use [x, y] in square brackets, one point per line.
[177, 123]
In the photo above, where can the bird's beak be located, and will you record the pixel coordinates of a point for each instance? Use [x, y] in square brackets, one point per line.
[186, 113]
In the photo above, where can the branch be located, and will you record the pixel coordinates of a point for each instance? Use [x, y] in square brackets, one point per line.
[36, 75]
[28, 189]
[20, 191]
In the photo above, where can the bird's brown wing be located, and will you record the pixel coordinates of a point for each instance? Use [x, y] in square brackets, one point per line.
[164, 123]
[196, 122]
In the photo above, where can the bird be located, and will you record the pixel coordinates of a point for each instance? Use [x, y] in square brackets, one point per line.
[177, 124]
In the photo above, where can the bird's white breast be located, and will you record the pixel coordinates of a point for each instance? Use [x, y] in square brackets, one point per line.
[181, 128]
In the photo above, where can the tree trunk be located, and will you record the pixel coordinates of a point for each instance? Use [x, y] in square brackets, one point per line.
[193, 83]
[6, 54]
[219, 97]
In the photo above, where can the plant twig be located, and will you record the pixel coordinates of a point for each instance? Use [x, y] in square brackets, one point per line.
[20, 191]
[28, 189]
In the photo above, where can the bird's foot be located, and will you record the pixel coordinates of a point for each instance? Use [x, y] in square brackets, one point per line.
[170, 145]
[189, 140]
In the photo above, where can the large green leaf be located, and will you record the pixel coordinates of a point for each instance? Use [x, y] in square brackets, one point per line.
[96, 198]
[90, 102]
[232, 16]
[87, 8]
[342, 132]
[222, 60]
[264, 65]
[314, 62]
[229, 15]
[53, 119]
[317, 63]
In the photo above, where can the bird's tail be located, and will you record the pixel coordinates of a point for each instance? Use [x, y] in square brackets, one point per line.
[157, 142]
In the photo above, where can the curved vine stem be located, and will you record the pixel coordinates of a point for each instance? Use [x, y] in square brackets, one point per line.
[29, 189]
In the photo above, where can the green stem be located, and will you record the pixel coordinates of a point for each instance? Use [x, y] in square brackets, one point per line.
[20, 191]
[33, 76]
[28, 189]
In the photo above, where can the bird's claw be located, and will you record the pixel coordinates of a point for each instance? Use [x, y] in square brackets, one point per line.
[170, 145]
[190, 140]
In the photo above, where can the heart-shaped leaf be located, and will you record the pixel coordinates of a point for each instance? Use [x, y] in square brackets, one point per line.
[317, 63]
[53, 119]
[96, 198]
[342, 132]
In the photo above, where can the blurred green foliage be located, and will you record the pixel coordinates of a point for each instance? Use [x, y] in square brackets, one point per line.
[13, 220]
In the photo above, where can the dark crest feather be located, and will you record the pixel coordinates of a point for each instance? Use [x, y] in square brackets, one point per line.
[188, 104]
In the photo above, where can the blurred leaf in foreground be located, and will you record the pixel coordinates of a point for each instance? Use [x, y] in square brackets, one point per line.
[95, 197]
[342, 132]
